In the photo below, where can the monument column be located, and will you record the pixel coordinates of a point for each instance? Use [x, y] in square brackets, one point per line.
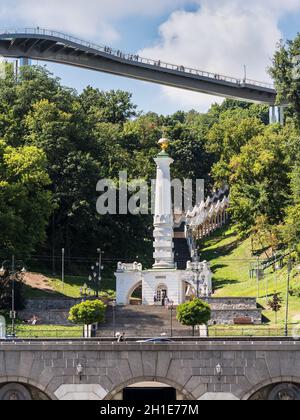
[163, 218]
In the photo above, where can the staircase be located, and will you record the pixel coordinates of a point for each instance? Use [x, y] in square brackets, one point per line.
[142, 321]
[153, 321]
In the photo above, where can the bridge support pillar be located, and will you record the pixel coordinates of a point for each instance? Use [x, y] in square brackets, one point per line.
[277, 115]
[24, 61]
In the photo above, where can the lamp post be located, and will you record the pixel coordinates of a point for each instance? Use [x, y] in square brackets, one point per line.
[114, 304]
[79, 371]
[172, 309]
[276, 271]
[219, 371]
[286, 325]
[96, 269]
[63, 267]
[15, 266]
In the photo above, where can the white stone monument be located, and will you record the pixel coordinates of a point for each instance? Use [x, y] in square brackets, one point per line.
[163, 282]
[163, 218]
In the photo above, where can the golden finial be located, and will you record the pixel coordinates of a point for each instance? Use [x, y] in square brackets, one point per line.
[164, 144]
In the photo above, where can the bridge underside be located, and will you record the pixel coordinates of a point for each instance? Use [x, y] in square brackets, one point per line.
[58, 50]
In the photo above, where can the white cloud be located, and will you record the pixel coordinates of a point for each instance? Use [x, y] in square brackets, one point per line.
[94, 19]
[221, 37]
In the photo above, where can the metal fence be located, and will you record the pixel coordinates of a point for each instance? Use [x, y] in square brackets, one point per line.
[42, 332]
[249, 332]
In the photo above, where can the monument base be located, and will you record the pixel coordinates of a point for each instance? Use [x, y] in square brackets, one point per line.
[159, 287]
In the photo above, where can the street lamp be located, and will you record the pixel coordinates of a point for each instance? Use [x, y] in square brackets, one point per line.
[286, 326]
[14, 266]
[96, 269]
[79, 371]
[172, 309]
[219, 371]
[114, 304]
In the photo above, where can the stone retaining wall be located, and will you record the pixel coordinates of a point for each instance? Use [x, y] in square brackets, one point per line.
[48, 311]
[224, 310]
[246, 368]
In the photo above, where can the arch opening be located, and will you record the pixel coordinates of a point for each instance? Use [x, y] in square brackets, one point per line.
[284, 391]
[135, 296]
[149, 391]
[15, 391]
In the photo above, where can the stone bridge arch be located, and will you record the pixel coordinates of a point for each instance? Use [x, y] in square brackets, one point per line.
[182, 394]
[25, 386]
[271, 382]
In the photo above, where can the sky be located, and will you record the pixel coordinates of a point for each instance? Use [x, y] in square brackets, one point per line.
[221, 36]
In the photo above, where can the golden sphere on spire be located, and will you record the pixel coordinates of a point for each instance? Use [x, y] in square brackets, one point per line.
[164, 144]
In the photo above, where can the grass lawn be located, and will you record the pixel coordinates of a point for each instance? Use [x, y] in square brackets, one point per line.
[70, 288]
[230, 261]
[48, 331]
[251, 331]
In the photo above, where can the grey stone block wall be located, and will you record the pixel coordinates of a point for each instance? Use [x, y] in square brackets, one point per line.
[224, 310]
[190, 368]
[48, 311]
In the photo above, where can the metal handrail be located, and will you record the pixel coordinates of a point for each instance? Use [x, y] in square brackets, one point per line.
[136, 58]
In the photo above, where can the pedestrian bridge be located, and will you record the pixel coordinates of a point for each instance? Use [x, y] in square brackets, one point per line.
[99, 370]
[52, 46]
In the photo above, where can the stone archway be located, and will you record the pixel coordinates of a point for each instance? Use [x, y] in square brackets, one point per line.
[279, 389]
[147, 382]
[135, 294]
[19, 391]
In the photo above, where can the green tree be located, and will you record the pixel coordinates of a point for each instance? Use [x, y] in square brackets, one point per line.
[235, 128]
[6, 291]
[275, 304]
[25, 203]
[260, 182]
[286, 74]
[88, 313]
[196, 312]
[113, 107]
[291, 228]
[295, 181]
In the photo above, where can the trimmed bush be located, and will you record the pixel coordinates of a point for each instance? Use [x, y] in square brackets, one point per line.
[88, 313]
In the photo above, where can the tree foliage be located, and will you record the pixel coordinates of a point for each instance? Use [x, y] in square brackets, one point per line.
[56, 144]
[6, 292]
[260, 183]
[286, 74]
[196, 312]
[275, 304]
[88, 313]
[25, 202]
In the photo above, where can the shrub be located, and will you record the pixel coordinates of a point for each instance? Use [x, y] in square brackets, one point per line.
[295, 291]
[194, 313]
[87, 313]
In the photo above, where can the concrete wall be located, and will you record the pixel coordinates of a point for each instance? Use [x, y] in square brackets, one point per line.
[190, 368]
